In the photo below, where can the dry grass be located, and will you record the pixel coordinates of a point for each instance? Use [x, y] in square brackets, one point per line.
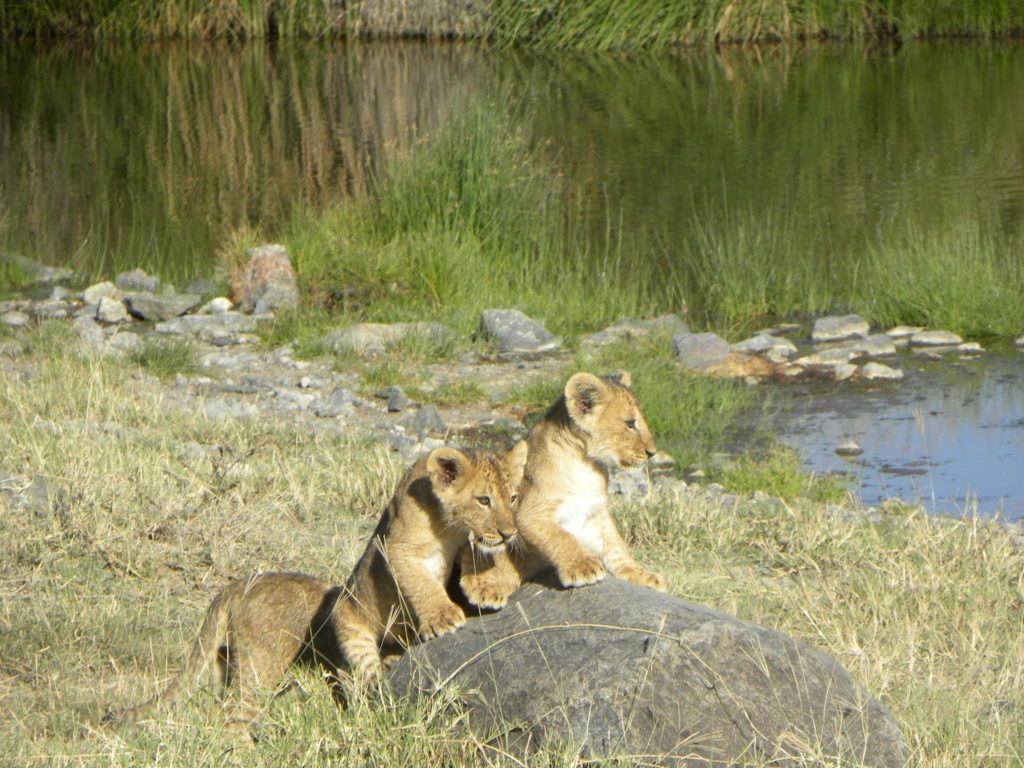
[154, 509]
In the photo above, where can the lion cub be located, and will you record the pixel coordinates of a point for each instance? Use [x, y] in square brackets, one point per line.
[256, 628]
[563, 516]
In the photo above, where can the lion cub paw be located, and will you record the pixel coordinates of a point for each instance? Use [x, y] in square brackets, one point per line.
[635, 574]
[482, 593]
[581, 572]
[441, 621]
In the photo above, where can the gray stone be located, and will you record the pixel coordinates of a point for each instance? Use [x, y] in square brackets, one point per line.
[630, 328]
[88, 330]
[293, 399]
[14, 319]
[377, 337]
[970, 348]
[1019, 342]
[94, 293]
[34, 272]
[755, 345]
[838, 328]
[903, 331]
[137, 280]
[397, 399]
[630, 484]
[222, 410]
[876, 345]
[111, 311]
[843, 371]
[935, 339]
[269, 278]
[615, 669]
[426, 419]
[827, 358]
[51, 310]
[157, 307]
[515, 333]
[340, 402]
[849, 448]
[126, 343]
[208, 325]
[700, 351]
[880, 372]
[59, 293]
[217, 306]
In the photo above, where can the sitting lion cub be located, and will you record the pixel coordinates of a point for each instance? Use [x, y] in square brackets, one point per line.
[256, 628]
[563, 516]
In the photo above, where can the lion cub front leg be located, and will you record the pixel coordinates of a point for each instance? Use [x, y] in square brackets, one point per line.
[424, 592]
[621, 563]
[576, 566]
[488, 580]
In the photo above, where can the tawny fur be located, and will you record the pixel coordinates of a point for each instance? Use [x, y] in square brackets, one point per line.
[256, 628]
[563, 516]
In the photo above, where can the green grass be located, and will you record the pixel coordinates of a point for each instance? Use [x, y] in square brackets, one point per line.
[166, 358]
[103, 590]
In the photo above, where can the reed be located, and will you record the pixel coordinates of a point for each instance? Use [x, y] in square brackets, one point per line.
[584, 24]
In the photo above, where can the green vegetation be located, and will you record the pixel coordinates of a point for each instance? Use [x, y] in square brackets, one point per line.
[165, 359]
[592, 24]
[107, 577]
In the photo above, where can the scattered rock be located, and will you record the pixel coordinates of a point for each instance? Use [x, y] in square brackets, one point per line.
[970, 348]
[771, 348]
[935, 339]
[268, 277]
[201, 287]
[51, 310]
[877, 371]
[111, 311]
[88, 330]
[630, 328]
[94, 293]
[844, 371]
[515, 333]
[137, 280]
[426, 419]
[14, 319]
[208, 325]
[903, 331]
[630, 484]
[154, 307]
[222, 410]
[1019, 342]
[839, 328]
[876, 345]
[397, 399]
[340, 402]
[125, 343]
[700, 351]
[827, 359]
[217, 306]
[849, 448]
[642, 673]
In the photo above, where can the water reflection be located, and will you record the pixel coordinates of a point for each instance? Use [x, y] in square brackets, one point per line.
[951, 435]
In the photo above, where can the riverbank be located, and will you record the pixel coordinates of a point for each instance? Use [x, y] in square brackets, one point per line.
[580, 24]
[129, 499]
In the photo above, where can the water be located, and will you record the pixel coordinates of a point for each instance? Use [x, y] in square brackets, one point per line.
[161, 156]
[951, 435]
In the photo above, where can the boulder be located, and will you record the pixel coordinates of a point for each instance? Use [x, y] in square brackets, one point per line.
[94, 293]
[630, 328]
[935, 339]
[426, 419]
[876, 345]
[700, 351]
[111, 311]
[616, 670]
[366, 338]
[839, 328]
[515, 333]
[268, 277]
[877, 371]
[208, 325]
[155, 307]
[14, 319]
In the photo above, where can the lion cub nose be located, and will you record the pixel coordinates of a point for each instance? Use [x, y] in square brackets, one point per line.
[649, 452]
[507, 535]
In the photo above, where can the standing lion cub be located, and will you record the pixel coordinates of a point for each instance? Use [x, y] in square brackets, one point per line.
[256, 628]
[563, 515]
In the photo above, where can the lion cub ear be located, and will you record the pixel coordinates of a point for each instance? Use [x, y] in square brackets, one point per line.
[515, 461]
[583, 393]
[446, 465]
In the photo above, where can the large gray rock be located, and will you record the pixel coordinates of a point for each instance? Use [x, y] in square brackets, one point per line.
[137, 280]
[269, 278]
[15, 319]
[157, 307]
[838, 328]
[700, 350]
[935, 339]
[208, 325]
[619, 670]
[515, 333]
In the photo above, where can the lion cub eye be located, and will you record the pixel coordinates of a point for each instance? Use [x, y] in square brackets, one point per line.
[631, 423]
[513, 498]
[483, 501]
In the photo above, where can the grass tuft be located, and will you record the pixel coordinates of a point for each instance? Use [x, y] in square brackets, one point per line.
[165, 359]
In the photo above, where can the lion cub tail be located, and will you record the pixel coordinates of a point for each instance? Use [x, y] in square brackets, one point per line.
[205, 662]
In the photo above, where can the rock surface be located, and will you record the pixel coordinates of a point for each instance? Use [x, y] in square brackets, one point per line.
[700, 351]
[935, 339]
[630, 328]
[515, 333]
[619, 670]
[839, 328]
[157, 307]
[269, 278]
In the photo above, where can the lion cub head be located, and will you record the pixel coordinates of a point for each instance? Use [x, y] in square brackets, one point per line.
[608, 415]
[478, 492]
